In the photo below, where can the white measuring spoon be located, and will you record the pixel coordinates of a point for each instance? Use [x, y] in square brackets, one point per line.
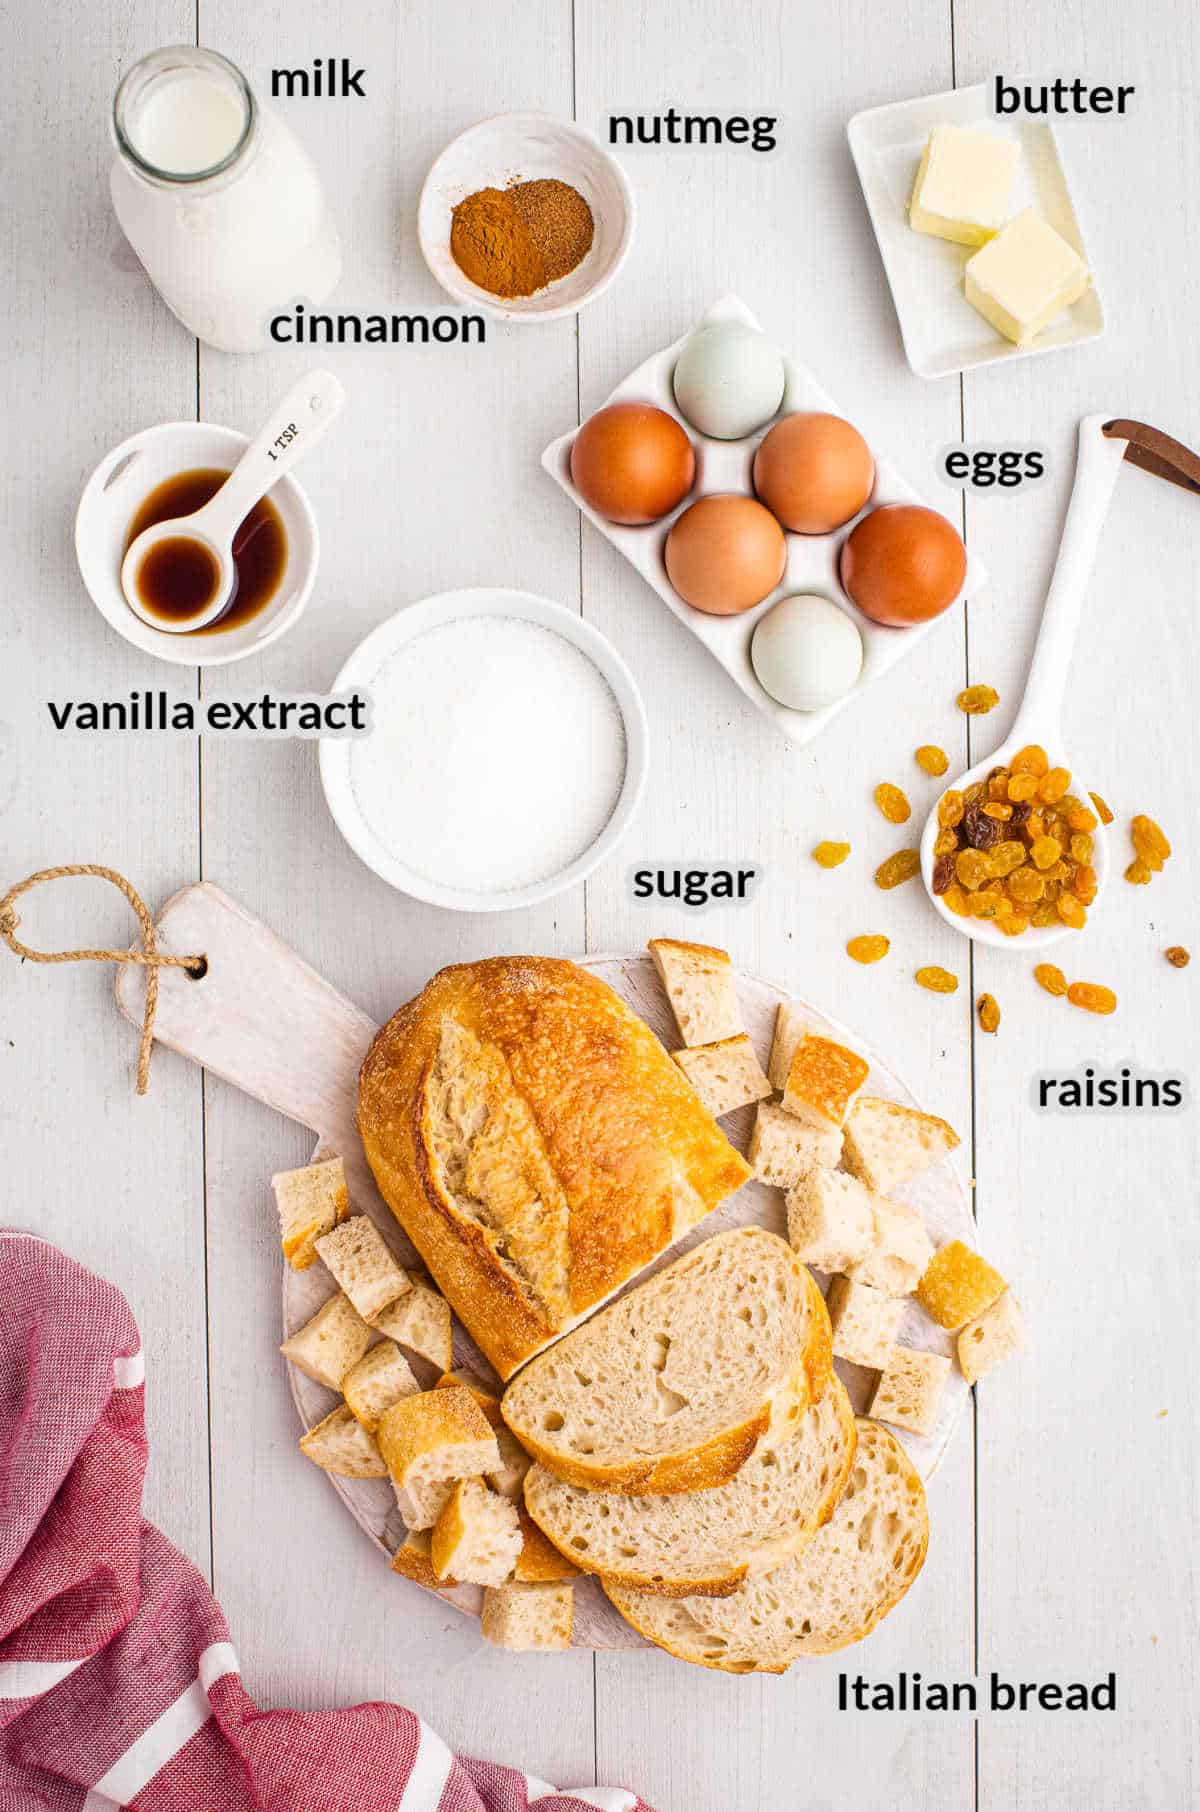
[1039, 718]
[294, 426]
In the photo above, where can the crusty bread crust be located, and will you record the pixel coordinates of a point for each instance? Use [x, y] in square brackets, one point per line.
[637, 1159]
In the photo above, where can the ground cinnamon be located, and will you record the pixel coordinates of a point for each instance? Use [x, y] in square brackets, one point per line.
[514, 241]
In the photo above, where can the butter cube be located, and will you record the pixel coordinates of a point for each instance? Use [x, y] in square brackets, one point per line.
[1024, 277]
[963, 185]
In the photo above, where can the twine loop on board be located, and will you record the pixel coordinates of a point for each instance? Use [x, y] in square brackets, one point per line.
[149, 957]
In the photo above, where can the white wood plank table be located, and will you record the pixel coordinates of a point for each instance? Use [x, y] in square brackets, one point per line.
[1065, 1522]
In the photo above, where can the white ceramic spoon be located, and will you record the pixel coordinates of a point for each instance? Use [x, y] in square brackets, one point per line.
[1039, 718]
[293, 428]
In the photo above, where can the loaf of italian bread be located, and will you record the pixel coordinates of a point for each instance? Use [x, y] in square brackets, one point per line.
[536, 1143]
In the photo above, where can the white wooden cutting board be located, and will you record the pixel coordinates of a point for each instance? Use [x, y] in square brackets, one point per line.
[264, 1021]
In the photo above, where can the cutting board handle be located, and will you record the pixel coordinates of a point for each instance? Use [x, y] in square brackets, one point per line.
[259, 1018]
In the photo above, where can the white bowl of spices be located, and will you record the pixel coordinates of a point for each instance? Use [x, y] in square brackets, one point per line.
[507, 753]
[526, 216]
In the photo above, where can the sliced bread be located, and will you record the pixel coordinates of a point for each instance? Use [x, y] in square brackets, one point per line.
[887, 1145]
[851, 1574]
[707, 1541]
[528, 1616]
[673, 1387]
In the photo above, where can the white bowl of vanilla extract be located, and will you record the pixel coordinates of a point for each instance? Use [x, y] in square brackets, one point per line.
[170, 471]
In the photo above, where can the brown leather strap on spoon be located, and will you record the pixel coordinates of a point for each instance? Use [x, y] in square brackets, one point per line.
[1156, 452]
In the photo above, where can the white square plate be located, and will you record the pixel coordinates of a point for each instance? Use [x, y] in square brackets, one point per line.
[812, 560]
[942, 333]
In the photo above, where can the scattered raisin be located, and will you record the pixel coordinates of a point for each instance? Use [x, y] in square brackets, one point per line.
[829, 855]
[1178, 957]
[1092, 996]
[901, 867]
[931, 759]
[1149, 842]
[1138, 874]
[1050, 977]
[1104, 809]
[976, 700]
[868, 949]
[943, 874]
[989, 1013]
[892, 803]
[938, 981]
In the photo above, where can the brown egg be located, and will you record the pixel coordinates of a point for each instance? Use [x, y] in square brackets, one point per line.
[632, 463]
[903, 564]
[814, 472]
[725, 554]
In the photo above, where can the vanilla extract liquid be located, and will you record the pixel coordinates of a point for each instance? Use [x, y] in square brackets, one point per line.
[179, 575]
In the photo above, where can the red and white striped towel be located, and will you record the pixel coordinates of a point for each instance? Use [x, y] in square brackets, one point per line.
[118, 1683]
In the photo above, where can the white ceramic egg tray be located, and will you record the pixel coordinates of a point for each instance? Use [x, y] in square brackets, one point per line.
[725, 465]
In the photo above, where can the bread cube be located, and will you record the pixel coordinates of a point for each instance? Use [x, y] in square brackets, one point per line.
[995, 1335]
[887, 1145]
[957, 1285]
[726, 1075]
[341, 1444]
[823, 1082]
[528, 1617]
[477, 1537]
[509, 1481]
[380, 1379]
[427, 1442]
[909, 1391]
[698, 980]
[420, 1320]
[414, 1559]
[539, 1560]
[326, 1347]
[790, 1028]
[899, 1253]
[358, 1255]
[782, 1148]
[830, 1221]
[865, 1322]
[311, 1202]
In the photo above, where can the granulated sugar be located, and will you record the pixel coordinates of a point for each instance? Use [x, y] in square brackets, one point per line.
[497, 755]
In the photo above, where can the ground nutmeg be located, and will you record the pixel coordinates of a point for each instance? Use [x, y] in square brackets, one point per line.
[514, 241]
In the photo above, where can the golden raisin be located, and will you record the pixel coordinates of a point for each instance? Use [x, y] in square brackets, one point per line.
[938, 981]
[1050, 977]
[1014, 924]
[1104, 809]
[997, 785]
[829, 855]
[931, 759]
[1178, 957]
[892, 803]
[950, 809]
[1080, 847]
[1092, 996]
[1078, 816]
[1045, 851]
[989, 1013]
[1022, 786]
[999, 810]
[1006, 857]
[945, 843]
[1032, 759]
[1026, 885]
[1085, 882]
[1149, 842]
[955, 900]
[976, 700]
[1053, 785]
[1138, 874]
[901, 867]
[1044, 914]
[971, 867]
[1071, 911]
[868, 949]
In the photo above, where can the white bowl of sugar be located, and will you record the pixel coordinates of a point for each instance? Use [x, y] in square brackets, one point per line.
[507, 754]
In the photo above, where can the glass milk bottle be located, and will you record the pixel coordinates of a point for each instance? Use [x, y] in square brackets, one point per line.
[217, 198]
